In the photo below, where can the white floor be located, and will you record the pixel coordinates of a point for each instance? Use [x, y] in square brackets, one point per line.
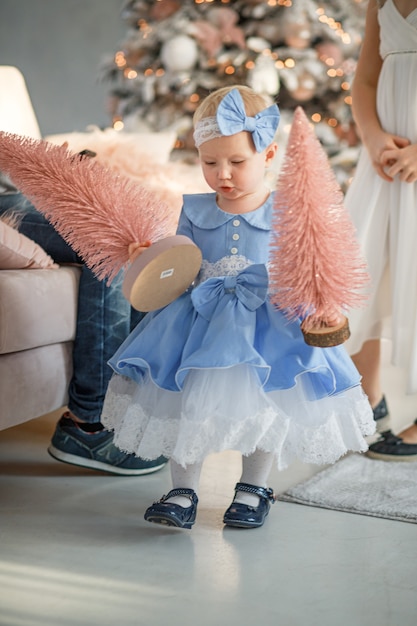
[75, 550]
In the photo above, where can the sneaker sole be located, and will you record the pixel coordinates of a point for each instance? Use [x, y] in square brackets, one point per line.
[72, 459]
[403, 458]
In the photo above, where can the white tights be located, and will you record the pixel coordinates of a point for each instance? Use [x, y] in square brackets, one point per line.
[255, 471]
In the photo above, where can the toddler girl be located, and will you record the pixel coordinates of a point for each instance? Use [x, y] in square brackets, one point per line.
[220, 367]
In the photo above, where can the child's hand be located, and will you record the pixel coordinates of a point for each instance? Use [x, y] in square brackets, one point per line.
[401, 162]
[136, 249]
[331, 319]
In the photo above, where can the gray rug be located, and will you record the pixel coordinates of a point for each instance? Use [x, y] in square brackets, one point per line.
[357, 484]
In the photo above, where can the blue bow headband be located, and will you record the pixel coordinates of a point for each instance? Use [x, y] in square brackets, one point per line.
[231, 119]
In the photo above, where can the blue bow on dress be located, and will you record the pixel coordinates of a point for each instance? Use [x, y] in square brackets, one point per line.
[250, 287]
[232, 119]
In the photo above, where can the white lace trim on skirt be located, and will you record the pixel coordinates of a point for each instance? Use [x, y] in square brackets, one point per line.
[226, 410]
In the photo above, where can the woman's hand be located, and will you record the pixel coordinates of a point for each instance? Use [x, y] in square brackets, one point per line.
[401, 162]
[383, 150]
[136, 249]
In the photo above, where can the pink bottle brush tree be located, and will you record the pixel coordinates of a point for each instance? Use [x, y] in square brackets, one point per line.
[317, 270]
[98, 212]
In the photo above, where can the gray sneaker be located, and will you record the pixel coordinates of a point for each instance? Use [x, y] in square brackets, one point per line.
[97, 451]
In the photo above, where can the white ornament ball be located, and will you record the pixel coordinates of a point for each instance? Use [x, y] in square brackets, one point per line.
[263, 78]
[179, 54]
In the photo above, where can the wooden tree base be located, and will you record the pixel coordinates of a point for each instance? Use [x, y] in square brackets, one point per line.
[162, 273]
[327, 336]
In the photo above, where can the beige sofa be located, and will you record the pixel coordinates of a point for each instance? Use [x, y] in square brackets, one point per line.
[38, 309]
[37, 306]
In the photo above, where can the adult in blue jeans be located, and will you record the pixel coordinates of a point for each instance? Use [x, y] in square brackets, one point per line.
[104, 320]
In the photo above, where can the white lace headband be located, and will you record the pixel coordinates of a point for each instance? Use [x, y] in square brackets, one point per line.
[206, 129]
[231, 119]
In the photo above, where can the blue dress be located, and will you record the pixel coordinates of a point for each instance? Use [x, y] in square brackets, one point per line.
[221, 368]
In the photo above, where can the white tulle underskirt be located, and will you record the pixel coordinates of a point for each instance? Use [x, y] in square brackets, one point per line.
[227, 410]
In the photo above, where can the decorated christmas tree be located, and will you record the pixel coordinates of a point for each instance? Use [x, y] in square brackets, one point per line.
[317, 270]
[296, 52]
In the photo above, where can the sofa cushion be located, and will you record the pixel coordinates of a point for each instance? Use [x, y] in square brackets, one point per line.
[112, 146]
[37, 307]
[19, 252]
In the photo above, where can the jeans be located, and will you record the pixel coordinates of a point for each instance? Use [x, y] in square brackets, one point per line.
[104, 318]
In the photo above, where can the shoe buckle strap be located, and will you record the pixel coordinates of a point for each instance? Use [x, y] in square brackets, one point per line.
[180, 491]
[266, 493]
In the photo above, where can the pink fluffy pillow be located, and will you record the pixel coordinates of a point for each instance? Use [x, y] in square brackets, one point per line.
[20, 252]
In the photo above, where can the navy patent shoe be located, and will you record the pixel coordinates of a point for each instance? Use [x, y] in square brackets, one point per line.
[389, 447]
[244, 516]
[170, 514]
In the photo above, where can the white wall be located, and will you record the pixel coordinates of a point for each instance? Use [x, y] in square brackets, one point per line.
[59, 45]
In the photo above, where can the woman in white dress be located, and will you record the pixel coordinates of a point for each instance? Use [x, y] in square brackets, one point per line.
[382, 200]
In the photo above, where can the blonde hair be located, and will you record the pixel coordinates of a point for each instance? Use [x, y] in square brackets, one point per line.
[254, 103]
